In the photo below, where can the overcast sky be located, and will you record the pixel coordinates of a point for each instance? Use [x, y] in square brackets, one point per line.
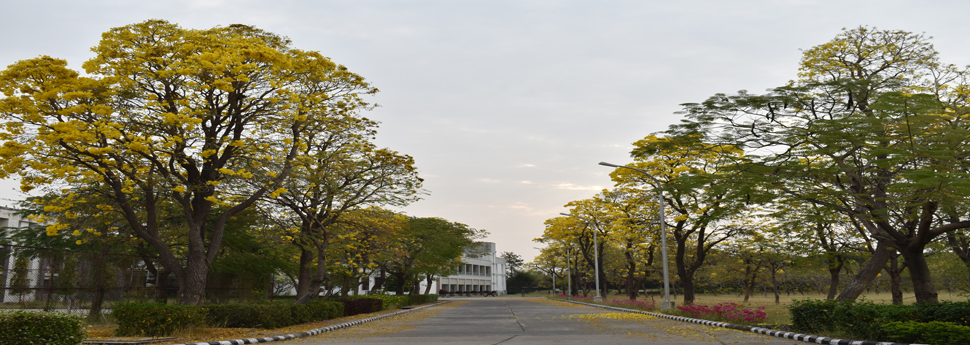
[508, 106]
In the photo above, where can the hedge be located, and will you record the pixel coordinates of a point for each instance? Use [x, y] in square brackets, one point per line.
[360, 305]
[153, 319]
[397, 301]
[935, 332]
[30, 328]
[865, 319]
[156, 319]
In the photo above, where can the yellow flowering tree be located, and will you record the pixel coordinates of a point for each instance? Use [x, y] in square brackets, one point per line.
[198, 117]
[701, 204]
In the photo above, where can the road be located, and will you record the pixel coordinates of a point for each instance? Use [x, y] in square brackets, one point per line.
[513, 321]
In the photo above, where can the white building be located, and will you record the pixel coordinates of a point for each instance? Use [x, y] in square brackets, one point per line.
[483, 271]
[10, 219]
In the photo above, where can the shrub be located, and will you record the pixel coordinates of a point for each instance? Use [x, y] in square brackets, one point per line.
[864, 319]
[813, 316]
[417, 299]
[28, 328]
[935, 332]
[361, 305]
[261, 315]
[154, 319]
[954, 312]
[325, 310]
[387, 301]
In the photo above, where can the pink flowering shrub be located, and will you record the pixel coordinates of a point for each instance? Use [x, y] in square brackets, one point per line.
[725, 311]
[643, 304]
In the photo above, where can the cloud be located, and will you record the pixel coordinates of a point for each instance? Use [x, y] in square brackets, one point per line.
[570, 186]
[488, 180]
[525, 165]
[525, 182]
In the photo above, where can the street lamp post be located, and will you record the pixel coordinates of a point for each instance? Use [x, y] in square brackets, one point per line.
[596, 257]
[667, 304]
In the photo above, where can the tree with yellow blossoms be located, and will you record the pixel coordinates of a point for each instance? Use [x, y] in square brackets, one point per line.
[209, 119]
[701, 205]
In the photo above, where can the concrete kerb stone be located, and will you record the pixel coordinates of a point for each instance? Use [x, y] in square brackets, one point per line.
[311, 332]
[760, 330]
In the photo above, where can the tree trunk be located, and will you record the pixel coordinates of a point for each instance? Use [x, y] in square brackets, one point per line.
[895, 280]
[100, 279]
[774, 285]
[430, 279]
[867, 273]
[834, 275]
[161, 286]
[920, 274]
[305, 274]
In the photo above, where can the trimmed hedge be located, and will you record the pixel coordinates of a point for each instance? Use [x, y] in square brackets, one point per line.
[865, 319]
[325, 310]
[153, 319]
[935, 332]
[29, 328]
[156, 319]
[360, 305]
[397, 301]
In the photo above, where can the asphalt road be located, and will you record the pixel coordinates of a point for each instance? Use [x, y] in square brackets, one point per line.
[512, 321]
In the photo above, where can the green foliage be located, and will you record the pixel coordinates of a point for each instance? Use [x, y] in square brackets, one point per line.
[264, 315]
[389, 301]
[325, 310]
[154, 319]
[520, 281]
[361, 305]
[935, 332]
[866, 319]
[813, 315]
[30, 328]
[421, 299]
[954, 312]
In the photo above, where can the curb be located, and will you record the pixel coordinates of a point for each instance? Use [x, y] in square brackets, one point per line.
[311, 332]
[760, 330]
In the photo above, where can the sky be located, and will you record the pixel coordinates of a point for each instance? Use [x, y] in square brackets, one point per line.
[508, 106]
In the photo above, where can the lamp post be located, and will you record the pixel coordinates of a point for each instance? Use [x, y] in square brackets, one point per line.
[667, 304]
[596, 256]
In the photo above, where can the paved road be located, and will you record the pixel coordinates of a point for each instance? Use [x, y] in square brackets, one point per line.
[513, 321]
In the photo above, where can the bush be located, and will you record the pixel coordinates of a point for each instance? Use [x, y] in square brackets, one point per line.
[264, 315]
[865, 319]
[28, 328]
[935, 332]
[392, 301]
[325, 310]
[154, 319]
[954, 312]
[361, 305]
[813, 316]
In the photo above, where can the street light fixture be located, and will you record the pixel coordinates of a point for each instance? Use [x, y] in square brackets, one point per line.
[596, 256]
[667, 304]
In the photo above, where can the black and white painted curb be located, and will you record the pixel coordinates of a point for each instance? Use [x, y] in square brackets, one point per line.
[760, 330]
[311, 332]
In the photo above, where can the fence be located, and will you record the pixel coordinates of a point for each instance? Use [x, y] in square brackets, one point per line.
[47, 278]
